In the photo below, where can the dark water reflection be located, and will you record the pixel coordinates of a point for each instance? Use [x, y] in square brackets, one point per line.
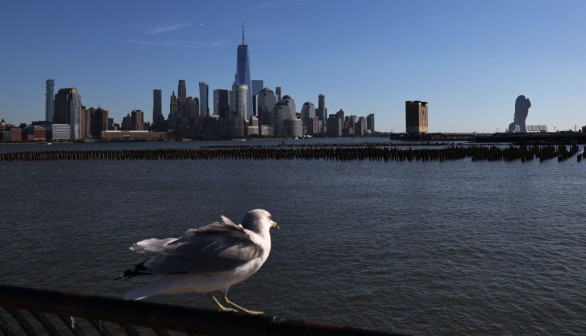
[454, 248]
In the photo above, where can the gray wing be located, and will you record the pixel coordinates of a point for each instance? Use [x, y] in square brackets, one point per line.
[217, 247]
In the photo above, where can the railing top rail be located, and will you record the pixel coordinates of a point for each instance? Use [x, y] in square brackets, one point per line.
[159, 316]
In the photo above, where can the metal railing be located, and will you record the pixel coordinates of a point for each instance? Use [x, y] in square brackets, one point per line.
[27, 311]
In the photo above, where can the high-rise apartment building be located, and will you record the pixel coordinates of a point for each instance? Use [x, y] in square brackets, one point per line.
[243, 72]
[50, 100]
[204, 99]
[68, 111]
[158, 118]
[416, 117]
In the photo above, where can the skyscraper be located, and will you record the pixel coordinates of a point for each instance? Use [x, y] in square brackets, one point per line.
[239, 99]
[266, 103]
[204, 109]
[321, 108]
[243, 71]
[50, 100]
[158, 119]
[68, 111]
[278, 93]
[222, 103]
[181, 91]
[370, 122]
[137, 120]
[99, 122]
[257, 85]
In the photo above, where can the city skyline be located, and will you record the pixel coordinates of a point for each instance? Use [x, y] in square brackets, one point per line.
[468, 59]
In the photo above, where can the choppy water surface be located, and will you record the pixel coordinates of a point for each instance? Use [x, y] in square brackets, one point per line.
[451, 248]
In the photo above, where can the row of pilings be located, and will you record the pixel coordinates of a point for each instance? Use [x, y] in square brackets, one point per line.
[328, 153]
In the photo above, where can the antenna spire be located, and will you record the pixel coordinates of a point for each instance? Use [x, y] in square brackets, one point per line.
[242, 33]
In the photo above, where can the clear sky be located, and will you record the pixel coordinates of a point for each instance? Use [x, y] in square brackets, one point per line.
[469, 59]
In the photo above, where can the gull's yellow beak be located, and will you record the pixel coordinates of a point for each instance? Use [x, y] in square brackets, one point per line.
[274, 224]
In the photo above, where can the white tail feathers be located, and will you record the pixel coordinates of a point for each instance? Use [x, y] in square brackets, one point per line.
[152, 245]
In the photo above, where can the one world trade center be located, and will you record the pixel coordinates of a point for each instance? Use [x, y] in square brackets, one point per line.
[243, 71]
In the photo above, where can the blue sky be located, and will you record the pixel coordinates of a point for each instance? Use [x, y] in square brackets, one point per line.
[469, 59]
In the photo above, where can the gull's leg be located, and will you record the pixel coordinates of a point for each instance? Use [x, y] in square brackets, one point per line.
[249, 312]
[220, 307]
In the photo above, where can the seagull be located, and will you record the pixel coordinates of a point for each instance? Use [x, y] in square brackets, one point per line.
[209, 259]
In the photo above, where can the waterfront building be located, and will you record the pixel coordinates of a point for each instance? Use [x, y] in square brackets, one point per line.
[182, 109]
[321, 108]
[49, 100]
[370, 122]
[239, 99]
[99, 122]
[85, 123]
[134, 121]
[307, 111]
[60, 132]
[221, 103]
[360, 127]
[313, 126]
[68, 111]
[334, 125]
[536, 128]
[294, 127]
[416, 117]
[243, 72]
[191, 108]
[238, 110]
[278, 93]
[129, 135]
[285, 111]
[173, 112]
[236, 126]
[266, 103]
[257, 86]
[181, 91]
[253, 129]
[137, 117]
[158, 118]
[307, 116]
[204, 99]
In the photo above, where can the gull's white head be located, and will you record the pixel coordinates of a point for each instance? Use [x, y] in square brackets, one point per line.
[258, 221]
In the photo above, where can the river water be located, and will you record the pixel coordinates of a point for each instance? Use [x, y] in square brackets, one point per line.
[430, 248]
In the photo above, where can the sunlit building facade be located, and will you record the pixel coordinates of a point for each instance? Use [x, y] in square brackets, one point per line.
[416, 117]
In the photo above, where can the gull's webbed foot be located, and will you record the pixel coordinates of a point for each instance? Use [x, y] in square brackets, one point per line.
[221, 308]
[244, 310]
